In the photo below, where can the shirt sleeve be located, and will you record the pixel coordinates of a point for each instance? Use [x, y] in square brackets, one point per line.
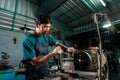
[52, 41]
[28, 49]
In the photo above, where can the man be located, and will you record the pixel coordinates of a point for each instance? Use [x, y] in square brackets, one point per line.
[35, 49]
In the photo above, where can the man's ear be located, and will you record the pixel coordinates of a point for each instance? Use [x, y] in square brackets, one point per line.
[36, 24]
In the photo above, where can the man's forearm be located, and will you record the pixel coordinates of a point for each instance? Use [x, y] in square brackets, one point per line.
[61, 45]
[47, 57]
[41, 60]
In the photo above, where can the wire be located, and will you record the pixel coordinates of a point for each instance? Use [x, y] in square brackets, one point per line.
[96, 16]
[100, 42]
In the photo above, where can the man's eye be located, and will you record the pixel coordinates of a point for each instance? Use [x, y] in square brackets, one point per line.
[43, 26]
[46, 26]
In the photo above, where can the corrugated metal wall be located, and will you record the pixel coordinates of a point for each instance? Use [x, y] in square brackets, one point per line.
[7, 4]
[16, 13]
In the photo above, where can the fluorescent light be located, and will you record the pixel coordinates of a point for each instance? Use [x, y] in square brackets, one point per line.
[106, 25]
[103, 3]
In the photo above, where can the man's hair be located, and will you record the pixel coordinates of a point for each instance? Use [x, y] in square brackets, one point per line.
[43, 19]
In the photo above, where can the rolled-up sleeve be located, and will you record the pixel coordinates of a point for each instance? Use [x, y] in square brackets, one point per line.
[28, 50]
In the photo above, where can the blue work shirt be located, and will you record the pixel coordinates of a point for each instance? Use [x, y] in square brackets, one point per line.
[36, 46]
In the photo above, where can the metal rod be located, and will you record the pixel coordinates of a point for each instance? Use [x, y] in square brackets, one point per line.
[14, 15]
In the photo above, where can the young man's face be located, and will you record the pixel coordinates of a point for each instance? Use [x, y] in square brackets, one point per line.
[44, 28]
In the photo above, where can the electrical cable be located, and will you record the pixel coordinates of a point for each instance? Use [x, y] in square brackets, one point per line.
[96, 16]
[100, 42]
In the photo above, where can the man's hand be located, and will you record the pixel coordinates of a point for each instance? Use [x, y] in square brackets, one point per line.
[68, 49]
[71, 49]
[57, 50]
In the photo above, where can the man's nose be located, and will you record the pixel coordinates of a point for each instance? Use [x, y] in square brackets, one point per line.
[47, 29]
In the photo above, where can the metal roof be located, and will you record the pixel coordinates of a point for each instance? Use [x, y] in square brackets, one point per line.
[78, 14]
